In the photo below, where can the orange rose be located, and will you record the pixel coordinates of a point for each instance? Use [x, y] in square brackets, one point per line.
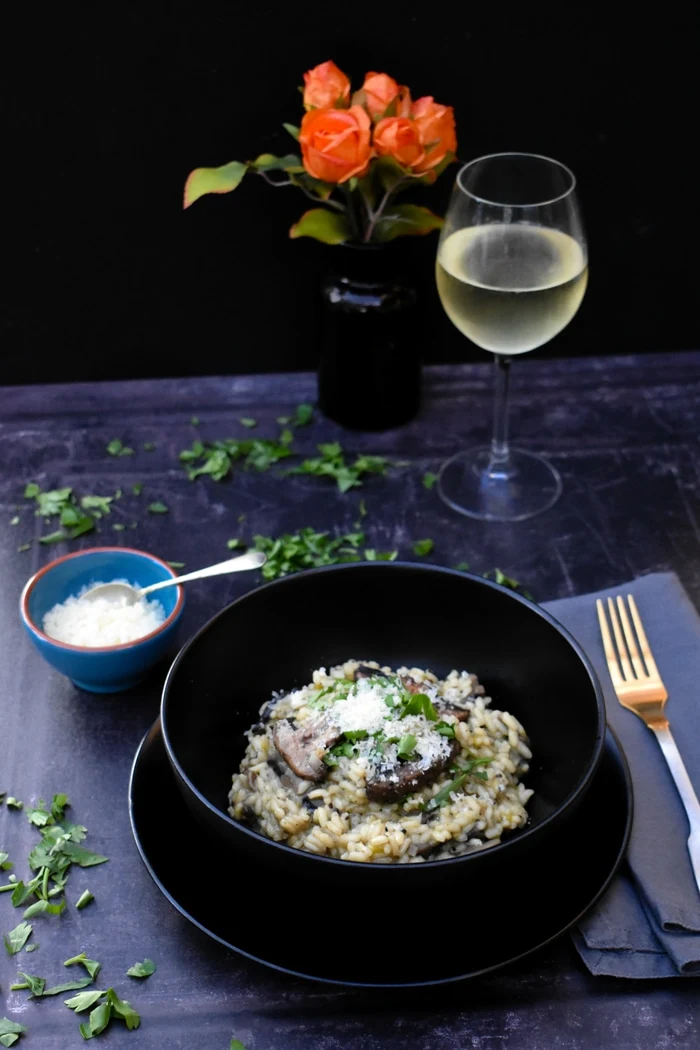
[325, 86]
[436, 128]
[335, 143]
[380, 91]
[398, 137]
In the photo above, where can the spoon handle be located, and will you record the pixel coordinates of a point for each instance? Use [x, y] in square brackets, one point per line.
[251, 560]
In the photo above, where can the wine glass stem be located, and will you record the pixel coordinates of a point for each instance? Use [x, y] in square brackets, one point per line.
[500, 461]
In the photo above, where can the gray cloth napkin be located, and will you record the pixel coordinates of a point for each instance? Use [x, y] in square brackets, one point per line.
[648, 923]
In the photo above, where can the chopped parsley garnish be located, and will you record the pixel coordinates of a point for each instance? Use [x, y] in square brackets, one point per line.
[429, 480]
[236, 1044]
[235, 544]
[419, 704]
[10, 1031]
[176, 564]
[75, 517]
[422, 547]
[142, 969]
[445, 729]
[462, 566]
[148, 446]
[507, 581]
[158, 508]
[303, 415]
[13, 803]
[84, 899]
[246, 421]
[5, 863]
[91, 965]
[307, 549]
[15, 520]
[355, 734]
[109, 1006]
[118, 527]
[24, 547]
[216, 458]
[16, 939]
[331, 463]
[345, 749]
[374, 555]
[137, 488]
[117, 448]
[443, 796]
[406, 746]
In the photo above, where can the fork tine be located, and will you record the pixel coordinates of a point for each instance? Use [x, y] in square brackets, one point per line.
[632, 649]
[619, 641]
[646, 651]
[610, 654]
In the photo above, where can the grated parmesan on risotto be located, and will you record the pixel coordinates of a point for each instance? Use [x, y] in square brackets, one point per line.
[374, 765]
[102, 621]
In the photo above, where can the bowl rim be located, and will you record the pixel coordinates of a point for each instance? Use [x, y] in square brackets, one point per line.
[86, 552]
[580, 788]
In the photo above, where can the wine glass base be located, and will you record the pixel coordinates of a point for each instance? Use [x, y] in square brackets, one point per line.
[471, 485]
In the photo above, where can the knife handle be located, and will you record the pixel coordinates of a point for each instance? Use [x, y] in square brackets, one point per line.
[685, 790]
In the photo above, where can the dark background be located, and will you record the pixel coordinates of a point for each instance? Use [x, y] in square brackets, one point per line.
[107, 108]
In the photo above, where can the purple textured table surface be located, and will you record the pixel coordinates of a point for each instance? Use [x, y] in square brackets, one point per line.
[625, 435]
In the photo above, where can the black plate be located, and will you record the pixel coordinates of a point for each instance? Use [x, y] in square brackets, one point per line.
[512, 917]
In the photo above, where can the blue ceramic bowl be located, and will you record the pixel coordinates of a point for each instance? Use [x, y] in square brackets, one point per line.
[115, 667]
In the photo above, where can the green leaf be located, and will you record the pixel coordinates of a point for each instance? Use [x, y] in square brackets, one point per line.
[84, 1030]
[31, 947]
[144, 969]
[15, 520]
[390, 172]
[58, 805]
[16, 939]
[35, 985]
[235, 544]
[292, 129]
[429, 480]
[148, 446]
[268, 162]
[68, 986]
[13, 803]
[213, 180]
[100, 1018]
[445, 729]
[41, 906]
[5, 863]
[8, 1027]
[91, 965]
[31, 490]
[330, 227]
[84, 899]
[443, 796]
[401, 220]
[246, 421]
[83, 1000]
[158, 508]
[419, 704]
[118, 527]
[81, 856]
[177, 564]
[303, 415]
[406, 746]
[24, 547]
[123, 1009]
[137, 488]
[54, 537]
[116, 448]
[462, 566]
[236, 1044]
[9, 1039]
[422, 547]
[101, 503]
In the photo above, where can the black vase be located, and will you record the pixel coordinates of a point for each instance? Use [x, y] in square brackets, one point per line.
[369, 372]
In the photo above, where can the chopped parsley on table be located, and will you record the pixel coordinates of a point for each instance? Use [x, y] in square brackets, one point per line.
[429, 479]
[308, 549]
[216, 458]
[331, 463]
[117, 448]
[422, 547]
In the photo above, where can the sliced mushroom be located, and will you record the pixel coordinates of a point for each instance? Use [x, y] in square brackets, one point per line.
[445, 707]
[390, 783]
[363, 671]
[304, 746]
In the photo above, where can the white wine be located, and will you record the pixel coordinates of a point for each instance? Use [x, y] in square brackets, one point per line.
[510, 288]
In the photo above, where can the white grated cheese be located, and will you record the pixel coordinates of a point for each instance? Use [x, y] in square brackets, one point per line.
[103, 621]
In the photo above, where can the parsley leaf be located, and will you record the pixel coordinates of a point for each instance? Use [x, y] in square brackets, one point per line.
[5, 864]
[100, 503]
[10, 1031]
[236, 1044]
[158, 508]
[121, 1008]
[68, 986]
[216, 458]
[137, 488]
[91, 965]
[235, 544]
[15, 520]
[246, 421]
[116, 448]
[303, 415]
[422, 547]
[176, 564]
[308, 549]
[507, 581]
[24, 547]
[144, 969]
[406, 746]
[462, 566]
[445, 729]
[419, 704]
[84, 899]
[443, 796]
[16, 939]
[83, 1001]
[331, 463]
[13, 803]
[429, 480]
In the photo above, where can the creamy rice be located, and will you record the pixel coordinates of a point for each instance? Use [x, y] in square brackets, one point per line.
[407, 768]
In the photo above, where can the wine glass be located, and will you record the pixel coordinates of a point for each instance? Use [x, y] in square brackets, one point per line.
[511, 271]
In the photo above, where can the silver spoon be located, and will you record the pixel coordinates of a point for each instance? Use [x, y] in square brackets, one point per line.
[251, 560]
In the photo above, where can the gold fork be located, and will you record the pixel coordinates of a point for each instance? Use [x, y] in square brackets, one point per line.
[639, 688]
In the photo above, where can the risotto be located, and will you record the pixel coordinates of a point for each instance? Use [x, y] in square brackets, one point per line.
[375, 765]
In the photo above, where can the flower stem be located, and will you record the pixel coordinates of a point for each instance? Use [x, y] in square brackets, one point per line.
[307, 193]
[377, 214]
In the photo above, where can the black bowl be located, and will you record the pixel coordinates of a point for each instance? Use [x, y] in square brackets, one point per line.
[399, 614]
